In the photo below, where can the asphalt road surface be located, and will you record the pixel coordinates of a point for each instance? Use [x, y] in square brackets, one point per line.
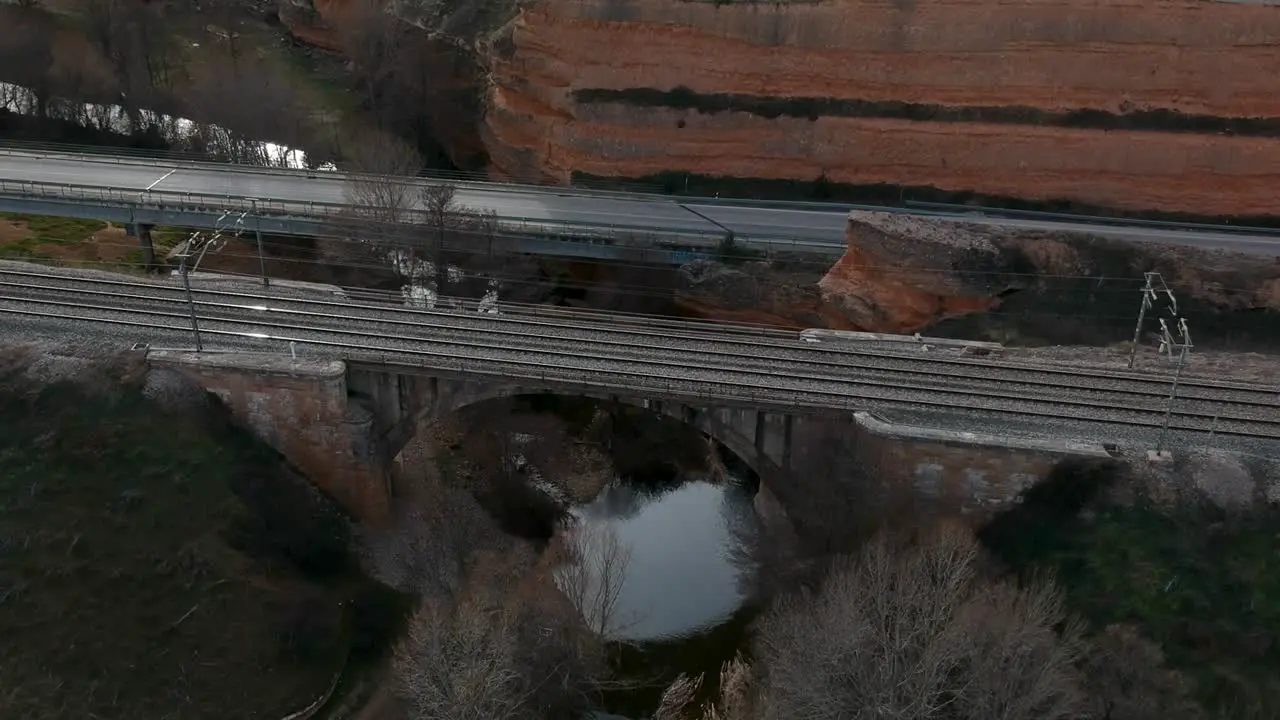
[804, 224]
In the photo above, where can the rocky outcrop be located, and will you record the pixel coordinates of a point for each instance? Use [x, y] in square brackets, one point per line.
[902, 274]
[1134, 104]
[759, 293]
[314, 21]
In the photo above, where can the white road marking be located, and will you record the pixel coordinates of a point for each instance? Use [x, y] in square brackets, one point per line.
[162, 179]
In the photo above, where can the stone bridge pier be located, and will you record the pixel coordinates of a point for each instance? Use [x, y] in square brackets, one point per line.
[343, 424]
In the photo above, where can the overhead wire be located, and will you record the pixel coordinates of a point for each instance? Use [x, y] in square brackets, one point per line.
[899, 270]
[519, 282]
[389, 241]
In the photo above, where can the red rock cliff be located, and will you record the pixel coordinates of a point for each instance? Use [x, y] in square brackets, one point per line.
[994, 86]
[1166, 105]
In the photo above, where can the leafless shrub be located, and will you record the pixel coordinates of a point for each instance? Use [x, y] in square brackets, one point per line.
[500, 649]
[734, 701]
[432, 541]
[592, 573]
[678, 697]
[458, 661]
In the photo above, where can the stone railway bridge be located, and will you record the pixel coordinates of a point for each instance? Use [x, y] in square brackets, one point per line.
[343, 424]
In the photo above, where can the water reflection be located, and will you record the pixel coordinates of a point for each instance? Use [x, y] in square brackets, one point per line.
[684, 571]
[168, 131]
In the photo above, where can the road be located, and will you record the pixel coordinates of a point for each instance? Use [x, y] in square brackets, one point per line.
[806, 223]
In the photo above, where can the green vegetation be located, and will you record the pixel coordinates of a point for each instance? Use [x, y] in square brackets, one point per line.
[46, 231]
[1204, 586]
[72, 241]
[57, 229]
[147, 569]
[164, 238]
[1201, 582]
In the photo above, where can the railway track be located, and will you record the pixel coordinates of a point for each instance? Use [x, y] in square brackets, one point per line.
[737, 364]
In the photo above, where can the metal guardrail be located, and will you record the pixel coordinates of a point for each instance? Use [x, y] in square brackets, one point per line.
[742, 386]
[480, 184]
[205, 165]
[140, 156]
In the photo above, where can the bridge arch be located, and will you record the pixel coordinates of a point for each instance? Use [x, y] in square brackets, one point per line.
[450, 400]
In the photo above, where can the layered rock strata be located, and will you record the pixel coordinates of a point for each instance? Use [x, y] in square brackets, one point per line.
[1133, 104]
[1138, 105]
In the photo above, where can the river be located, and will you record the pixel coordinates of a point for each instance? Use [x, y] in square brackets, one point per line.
[686, 587]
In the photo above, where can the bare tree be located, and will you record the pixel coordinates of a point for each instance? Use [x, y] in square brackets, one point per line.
[381, 166]
[909, 631]
[382, 197]
[130, 36]
[913, 632]
[436, 535]
[254, 101]
[438, 200]
[592, 574]
[27, 58]
[504, 646]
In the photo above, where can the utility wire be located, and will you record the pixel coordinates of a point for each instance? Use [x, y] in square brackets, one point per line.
[510, 283]
[1106, 283]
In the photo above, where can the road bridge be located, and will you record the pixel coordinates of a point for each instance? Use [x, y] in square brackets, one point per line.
[564, 221]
